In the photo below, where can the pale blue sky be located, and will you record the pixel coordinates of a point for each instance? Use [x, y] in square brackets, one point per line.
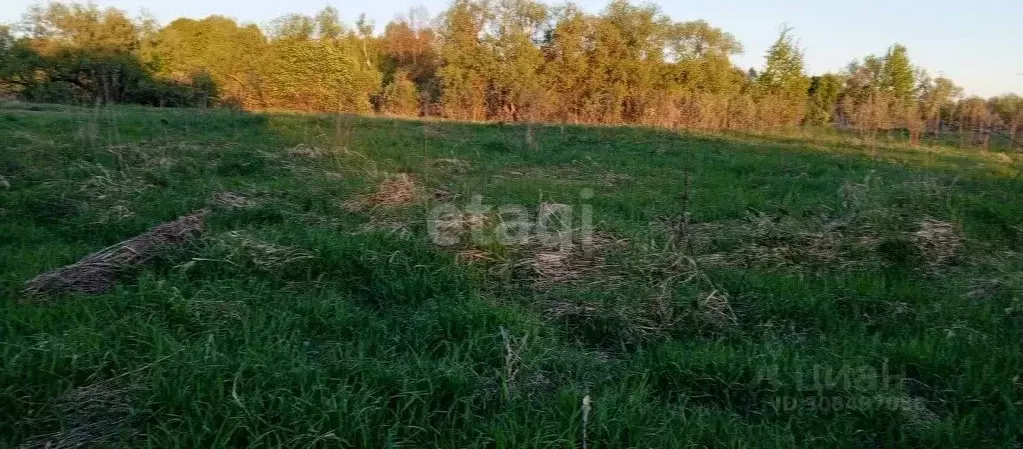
[979, 44]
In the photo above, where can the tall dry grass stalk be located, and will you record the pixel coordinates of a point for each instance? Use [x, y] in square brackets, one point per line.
[586, 407]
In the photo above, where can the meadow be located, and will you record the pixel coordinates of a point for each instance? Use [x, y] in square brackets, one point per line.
[344, 284]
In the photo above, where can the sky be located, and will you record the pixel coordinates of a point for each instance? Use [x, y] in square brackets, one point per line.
[978, 44]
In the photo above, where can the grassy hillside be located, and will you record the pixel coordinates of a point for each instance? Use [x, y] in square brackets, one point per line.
[735, 291]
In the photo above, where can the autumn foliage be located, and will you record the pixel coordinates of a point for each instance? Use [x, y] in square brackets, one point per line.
[509, 60]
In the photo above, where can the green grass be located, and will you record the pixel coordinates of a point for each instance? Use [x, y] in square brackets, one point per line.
[833, 324]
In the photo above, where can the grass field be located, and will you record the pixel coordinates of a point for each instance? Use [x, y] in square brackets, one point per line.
[736, 291]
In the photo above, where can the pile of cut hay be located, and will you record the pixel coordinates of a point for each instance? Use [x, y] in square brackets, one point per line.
[232, 200]
[451, 228]
[97, 272]
[715, 309]
[939, 242]
[395, 190]
[95, 415]
[572, 264]
[264, 255]
[824, 249]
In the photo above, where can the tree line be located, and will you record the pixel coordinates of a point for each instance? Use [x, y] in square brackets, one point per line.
[506, 60]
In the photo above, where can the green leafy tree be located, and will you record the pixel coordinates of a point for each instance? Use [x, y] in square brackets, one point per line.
[516, 87]
[400, 97]
[328, 24]
[823, 98]
[705, 87]
[935, 95]
[566, 65]
[215, 47]
[609, 60]
[637, 37]
[481, 59]
[782, 84]
[86, 49]
[897, 75]
[15, 64]
[466, 64]
[864, 103]
[293, 26]
[316, 76]
[58, 26]
[1009, 110]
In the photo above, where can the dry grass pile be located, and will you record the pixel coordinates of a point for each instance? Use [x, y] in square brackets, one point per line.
[716, 309]
[563, 310]
[939, 242]
[97, 272]
[670, 271]
[548, 266]
[699, 237]
[693, 237]
[655, 316]
[95, 415]
[394, 191]
[764, 242]
[233, 200]
[264, 255]
[760, 240]
[666, 302]
[849, 242]
[560, 267]
[825, 249]
[454, 228]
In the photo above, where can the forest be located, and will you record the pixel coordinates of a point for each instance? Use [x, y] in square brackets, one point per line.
[504, 60]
